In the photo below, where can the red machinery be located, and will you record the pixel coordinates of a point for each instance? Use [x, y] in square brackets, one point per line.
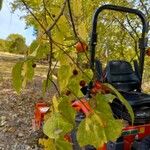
[127, 80]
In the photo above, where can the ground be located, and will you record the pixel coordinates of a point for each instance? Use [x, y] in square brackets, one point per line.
[17, 111]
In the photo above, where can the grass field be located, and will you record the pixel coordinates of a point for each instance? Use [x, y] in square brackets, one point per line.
[7, 61]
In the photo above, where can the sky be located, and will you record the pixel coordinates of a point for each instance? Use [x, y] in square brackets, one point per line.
[11, 23]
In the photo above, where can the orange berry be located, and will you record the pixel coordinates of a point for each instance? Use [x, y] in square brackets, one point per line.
[81, 47]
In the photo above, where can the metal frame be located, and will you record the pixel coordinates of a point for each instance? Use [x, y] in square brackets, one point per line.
[142, 40]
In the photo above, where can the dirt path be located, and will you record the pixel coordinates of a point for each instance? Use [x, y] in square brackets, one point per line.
[17, 111]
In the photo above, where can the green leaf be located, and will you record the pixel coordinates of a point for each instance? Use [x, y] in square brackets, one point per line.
[34, 53]
[62, 58]
[63, 31]
[63, 145]
[56, 126]
[98, 129]
[90, 131]
[103, 106]
[27, 72]
[49, 144]
[83, 30]
[17, 78]
[42, 51]
[113, 129]
[39, 49]
[74, 87]
[55, 104]
[123, 100]
[58, 144]
[64, 74]
[109, 97]
[88, 75]
[66, 110]
[30, 70]
[58, 36]
[77, 7]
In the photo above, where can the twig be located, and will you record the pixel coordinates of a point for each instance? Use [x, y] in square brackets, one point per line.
[58, 17]
[134, 30]
[72, 21]
[49, 14]
[54, 67]
[71, 59]
[129, 33]
[52, 71]
[124, 27]
[55, 86]
[146, 10]
[50, 65]
[73, 27]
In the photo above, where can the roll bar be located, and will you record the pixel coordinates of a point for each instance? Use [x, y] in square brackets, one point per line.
[142, 40]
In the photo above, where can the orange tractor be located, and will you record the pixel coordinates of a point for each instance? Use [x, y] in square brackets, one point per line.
[127, 80]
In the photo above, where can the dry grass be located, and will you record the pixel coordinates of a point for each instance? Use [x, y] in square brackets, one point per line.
[7, 61]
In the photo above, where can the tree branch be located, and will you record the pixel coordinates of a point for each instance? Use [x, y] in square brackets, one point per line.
[72, 21]
[49, 14]
[70, 58]
[50, 71]
[58, 17]
[124, 27]
[134, 30]
[146, 10]
[135, 41]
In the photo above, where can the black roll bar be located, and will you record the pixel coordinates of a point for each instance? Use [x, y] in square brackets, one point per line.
[142, 40]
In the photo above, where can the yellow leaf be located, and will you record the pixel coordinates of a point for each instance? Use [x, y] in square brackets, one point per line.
[55, 103]
[47, 143]
[82, 31]
[77, 7]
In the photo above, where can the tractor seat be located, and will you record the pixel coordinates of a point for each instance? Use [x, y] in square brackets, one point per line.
[140, 103]
[120, 74]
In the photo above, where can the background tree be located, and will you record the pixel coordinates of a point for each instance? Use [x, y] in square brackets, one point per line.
[16, 44]
[3, 46]
[51, 18]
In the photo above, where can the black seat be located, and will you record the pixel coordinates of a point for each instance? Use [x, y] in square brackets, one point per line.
[120, 74]
[140, 104]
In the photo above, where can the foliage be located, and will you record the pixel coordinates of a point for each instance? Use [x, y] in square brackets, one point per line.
[3, 46]
[62, 117]
[59, 144]
[22, 73]
[60, 25]
[15, 43]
